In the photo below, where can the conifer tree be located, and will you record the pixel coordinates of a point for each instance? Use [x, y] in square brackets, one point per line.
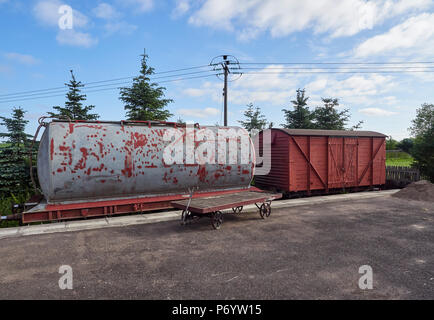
[74, 108]
[14, 168]
[300, 117]
[254, 118]
[144, 100]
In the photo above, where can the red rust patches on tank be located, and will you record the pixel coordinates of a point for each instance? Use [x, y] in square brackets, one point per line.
[175, 181]
[98, 127]
[102, 181]
[219, 173]
[201, 172]
[81, 164]
[101, 147]
[67, 153]
[151, 166]
[245, 172]
[190, 164]
[59, 170]
[71, 128]
[101, 167]
[128, 171]
[95, 155]
[160, 132]
[139, 140]
[228, 168]
[51, 148]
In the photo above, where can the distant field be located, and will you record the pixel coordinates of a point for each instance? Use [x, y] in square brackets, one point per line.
[400, 159]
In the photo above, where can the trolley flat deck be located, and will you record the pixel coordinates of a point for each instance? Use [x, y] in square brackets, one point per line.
[227, 201]
[212, 206]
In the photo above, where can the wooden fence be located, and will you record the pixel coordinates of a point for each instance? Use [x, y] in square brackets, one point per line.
[402, 175]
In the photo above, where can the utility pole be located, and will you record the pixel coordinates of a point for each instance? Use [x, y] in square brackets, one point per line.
[221, 63]
[225, 89]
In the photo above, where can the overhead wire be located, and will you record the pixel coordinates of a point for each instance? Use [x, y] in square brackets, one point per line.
[243, 68]
[343, 63]
[65, 89]
[109, 80]
[103, 89]
[330, 68]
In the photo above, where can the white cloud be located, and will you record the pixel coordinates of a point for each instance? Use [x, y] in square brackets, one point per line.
[75, 38]
[200, 113]
[355, 89]
[260, 87]
[105, 11]
[113, 24]
[376, 112]
[283, 17]
[272, 92]
[182, 6]
[119, 27]
[21, 58]
[47, 12]
[415, 35]
[139, 5]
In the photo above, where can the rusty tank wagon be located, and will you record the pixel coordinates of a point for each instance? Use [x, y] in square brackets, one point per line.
[99, 168]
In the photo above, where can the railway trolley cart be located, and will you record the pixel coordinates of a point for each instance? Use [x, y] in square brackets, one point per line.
[213, 206]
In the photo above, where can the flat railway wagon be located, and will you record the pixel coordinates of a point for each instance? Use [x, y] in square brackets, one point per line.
[309, 162]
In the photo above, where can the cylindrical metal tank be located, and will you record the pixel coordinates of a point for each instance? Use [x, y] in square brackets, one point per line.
[88, 161]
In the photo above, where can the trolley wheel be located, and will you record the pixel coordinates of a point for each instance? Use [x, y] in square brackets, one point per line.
[237, 209]
[216, 219]
[265, 210]
[186, 216]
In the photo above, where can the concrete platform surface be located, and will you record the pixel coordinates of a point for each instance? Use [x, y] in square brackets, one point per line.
[311, 251]
[127, 220]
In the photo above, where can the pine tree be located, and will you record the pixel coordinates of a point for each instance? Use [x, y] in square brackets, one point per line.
[254, 118]
[14, 168]
[74, 108]
[144, 100]
[301, 117]
[328, 118]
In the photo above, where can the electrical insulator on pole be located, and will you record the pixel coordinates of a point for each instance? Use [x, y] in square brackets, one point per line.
[227, 64]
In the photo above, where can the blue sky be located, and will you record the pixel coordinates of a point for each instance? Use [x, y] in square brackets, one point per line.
[107, 38]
